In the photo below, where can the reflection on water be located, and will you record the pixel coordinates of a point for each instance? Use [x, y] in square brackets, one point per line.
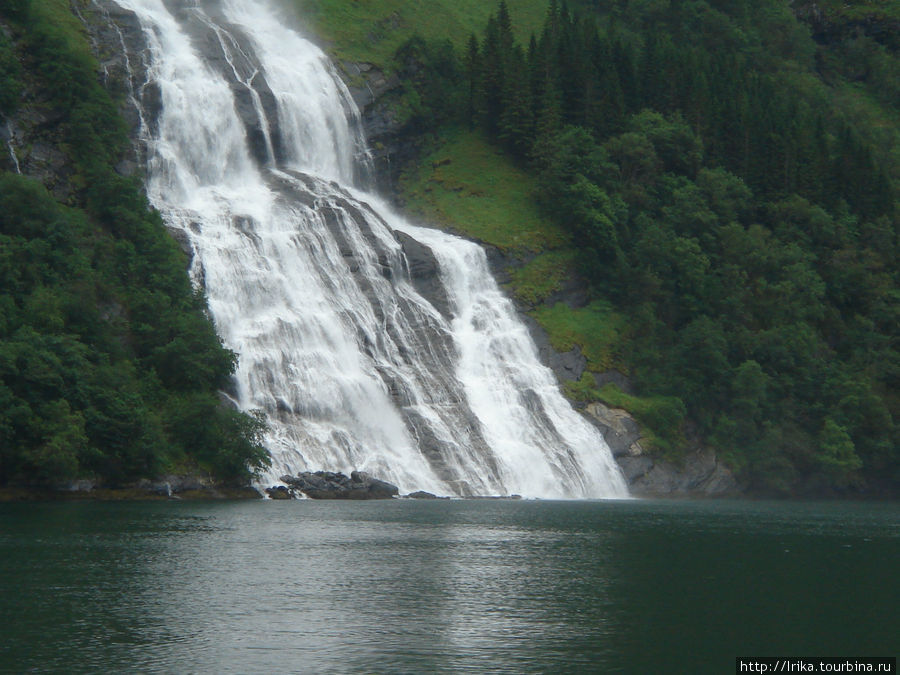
[402, 586]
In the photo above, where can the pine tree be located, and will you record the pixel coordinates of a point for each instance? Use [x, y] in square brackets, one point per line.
[473, 78]
[516, 122]
[492, 78]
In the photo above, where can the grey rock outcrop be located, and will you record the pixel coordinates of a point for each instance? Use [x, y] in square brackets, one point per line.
[424, 272]
[332, 485]
[279, 492]
[620, 430]
[392, 143]
[700, 473]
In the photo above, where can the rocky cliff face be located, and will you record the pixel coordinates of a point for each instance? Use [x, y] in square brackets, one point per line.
[699, 472]
[392, 140]
[32, 136]
[31, 142]
[830, 24]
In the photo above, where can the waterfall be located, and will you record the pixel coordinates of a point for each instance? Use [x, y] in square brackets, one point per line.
[11, 148]
[370, 343]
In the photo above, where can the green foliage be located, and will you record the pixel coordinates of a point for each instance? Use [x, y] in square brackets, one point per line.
[582, 390]
[704, 85]
[108, 364]
[226, 444]
[837, 452]
[662, 416]
[10, 77]
[16, 9]
[596, 329]
[371, 31]
[433, 76]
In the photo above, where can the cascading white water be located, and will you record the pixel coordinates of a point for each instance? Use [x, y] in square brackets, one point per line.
[318, 286]
[11, 148]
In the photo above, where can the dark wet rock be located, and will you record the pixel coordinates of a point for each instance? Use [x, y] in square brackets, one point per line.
[616, 378]
[698, 474]
[184, 243]
[567, 366]
[79, 485]
[830, 28]
[172, 484]
[293, 481]
[393, 142]
[424, 272]
[371, 488]
[150, 98]
[335, 485]
[31, 142]
[279, 492]
[118, 40]
[635, 468]
[620, 430]
[421, 494]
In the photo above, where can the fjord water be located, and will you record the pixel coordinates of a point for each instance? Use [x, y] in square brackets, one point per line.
[255, 156]
[448, 586]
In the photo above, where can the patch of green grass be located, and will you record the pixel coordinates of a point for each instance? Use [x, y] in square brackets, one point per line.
[372, 30]
[596, 328]
[470, 186]
[58, 13]
[583, 390]
[545, 274]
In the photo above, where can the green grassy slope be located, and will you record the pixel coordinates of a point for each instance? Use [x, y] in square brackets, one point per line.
[372, 30]
[472, 187]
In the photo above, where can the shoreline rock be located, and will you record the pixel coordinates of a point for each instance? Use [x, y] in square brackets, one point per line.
[333, 485]
[699, 474]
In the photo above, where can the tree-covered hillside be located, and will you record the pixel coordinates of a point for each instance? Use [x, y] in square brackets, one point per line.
[109, 365]
[727, 189]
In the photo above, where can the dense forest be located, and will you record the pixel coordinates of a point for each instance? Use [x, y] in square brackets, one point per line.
[109, 366]
[719, 196]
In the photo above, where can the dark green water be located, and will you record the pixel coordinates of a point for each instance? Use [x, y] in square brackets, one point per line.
[461, 586]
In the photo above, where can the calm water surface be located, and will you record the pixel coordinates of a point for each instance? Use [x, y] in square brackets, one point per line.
[448, 586]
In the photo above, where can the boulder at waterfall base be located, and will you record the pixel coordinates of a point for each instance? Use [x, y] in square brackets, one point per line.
[331, 485]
